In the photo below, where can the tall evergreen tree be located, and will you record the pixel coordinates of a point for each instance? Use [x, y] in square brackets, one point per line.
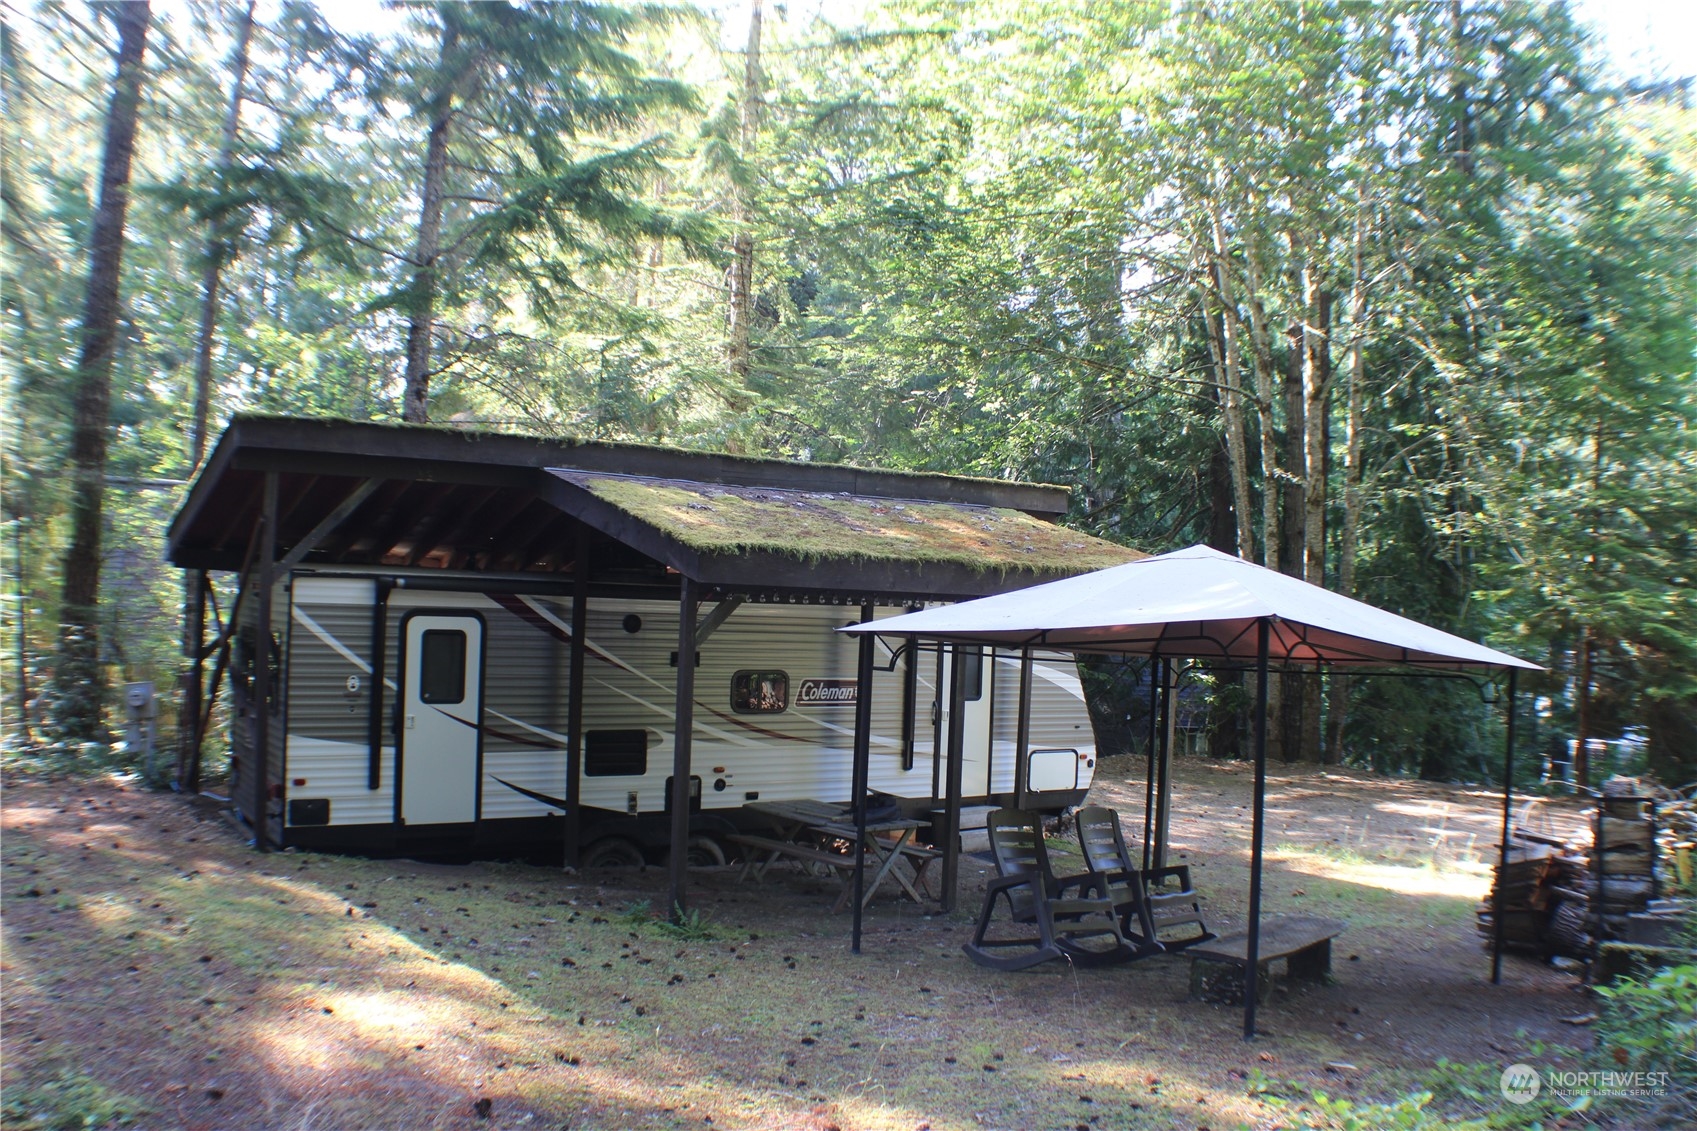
[78, 680]
[503, 92]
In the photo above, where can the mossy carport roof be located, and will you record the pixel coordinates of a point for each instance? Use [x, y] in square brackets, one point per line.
[744, 537]
[488, 505]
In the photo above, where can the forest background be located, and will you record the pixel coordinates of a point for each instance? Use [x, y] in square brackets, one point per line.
[1398, 297]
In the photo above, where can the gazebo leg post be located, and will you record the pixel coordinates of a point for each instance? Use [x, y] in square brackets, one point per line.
[862, 767]
[1164, 767]
[1022, 731]
[1149, 775]
[951, 805]
[1502, 850]
[1251, 974]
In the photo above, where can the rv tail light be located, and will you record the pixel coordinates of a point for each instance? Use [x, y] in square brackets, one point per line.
[299, 781]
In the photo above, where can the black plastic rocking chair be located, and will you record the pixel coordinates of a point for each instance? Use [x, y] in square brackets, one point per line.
[1148, 902]
[1065, 911]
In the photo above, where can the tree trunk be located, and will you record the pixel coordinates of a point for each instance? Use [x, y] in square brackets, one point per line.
[1292, 489]
[217, 253]
[1223, 340]
[80, 692]
[217, 247]
[1461, 129]
[1266, 381]
[740, 312]
[1266, 394]
[1224, 739]
[1582, 716]
[1316, 386]
[421, 324]
[1337, 706]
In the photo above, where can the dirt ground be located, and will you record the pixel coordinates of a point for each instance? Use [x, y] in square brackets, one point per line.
[157, 970]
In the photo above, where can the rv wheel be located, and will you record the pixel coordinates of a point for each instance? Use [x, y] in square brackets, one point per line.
[612, 852]
[704, 852]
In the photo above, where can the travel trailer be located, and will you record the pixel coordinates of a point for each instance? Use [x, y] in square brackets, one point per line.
[467, 693]
[455, 640]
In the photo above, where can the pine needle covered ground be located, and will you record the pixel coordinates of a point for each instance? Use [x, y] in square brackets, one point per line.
[157, 971]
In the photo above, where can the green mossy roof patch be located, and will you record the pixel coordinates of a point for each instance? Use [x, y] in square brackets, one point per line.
[812, 526]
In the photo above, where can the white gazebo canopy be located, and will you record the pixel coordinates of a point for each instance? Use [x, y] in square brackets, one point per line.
[1196, 603]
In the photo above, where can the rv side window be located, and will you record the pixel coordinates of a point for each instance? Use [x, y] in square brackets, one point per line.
[441, 666]
[971, 661]
[760, 692]
[615, 753]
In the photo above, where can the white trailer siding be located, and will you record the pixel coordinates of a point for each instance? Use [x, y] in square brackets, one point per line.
[330, 684]
[804, 751]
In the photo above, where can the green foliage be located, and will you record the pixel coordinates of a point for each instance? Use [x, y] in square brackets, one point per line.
[985, 244]
[1406, 1114]
[1650, 1025]
[71, 1101]
[691, 926]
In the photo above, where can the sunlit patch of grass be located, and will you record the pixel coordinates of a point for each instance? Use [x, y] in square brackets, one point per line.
[109, 913]
[71, 1100]
[1419, 878]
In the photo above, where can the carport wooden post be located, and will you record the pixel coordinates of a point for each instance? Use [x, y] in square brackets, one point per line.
[574, 700]
[1502, 851]
[951, 801]
[862, 764]
[685, 725]
[262, 690]
[1022, 732]
[1251, 974]
[194, 684]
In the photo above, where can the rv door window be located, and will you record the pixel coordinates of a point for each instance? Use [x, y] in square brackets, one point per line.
[971, 662]
[615, 753]
[441, 666]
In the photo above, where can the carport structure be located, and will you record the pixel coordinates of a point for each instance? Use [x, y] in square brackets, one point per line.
[494, 512]
[1199, 603]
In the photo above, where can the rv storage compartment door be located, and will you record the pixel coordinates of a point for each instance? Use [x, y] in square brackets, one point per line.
[441, 711]
[1053, 769]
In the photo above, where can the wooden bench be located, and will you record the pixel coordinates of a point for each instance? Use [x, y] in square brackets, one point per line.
[763, 852]
[767, 851]
[1303, 941]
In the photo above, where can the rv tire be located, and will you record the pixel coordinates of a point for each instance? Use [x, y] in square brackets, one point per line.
[611, 852]
[704, 852]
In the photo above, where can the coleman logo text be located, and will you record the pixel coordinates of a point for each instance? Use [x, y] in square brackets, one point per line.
[827, 693]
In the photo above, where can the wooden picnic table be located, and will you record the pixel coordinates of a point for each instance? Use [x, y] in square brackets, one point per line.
[805, 832]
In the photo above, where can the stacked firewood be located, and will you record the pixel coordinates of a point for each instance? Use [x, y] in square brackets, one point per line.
[1560, 897]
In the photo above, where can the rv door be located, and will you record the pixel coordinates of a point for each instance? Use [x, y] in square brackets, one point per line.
[975, 735]
[441, 718]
